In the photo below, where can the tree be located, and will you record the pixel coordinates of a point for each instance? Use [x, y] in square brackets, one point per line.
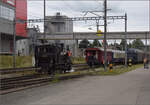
[96, 43]
[103, 43]
[84, 43]
[122, 44]
[138, 44]
[130, 45]
[117, 46]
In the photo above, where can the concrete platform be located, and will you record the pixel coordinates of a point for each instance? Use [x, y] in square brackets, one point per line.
[132, 88]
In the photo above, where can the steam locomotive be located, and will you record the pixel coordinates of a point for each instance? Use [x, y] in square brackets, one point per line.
[51, 58]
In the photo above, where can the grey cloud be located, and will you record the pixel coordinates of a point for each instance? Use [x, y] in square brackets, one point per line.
[138, 11]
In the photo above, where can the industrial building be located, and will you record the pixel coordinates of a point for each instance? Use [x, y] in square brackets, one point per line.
[11, 10]
[7, 27]
[56, 24]
[26, 46]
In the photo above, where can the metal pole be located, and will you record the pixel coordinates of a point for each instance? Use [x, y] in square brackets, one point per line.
[97, 24]
[0, 42]
[74, 45]
[126, 40]
[14, 38]
[146, 45]
[105, 33]
[44, 19]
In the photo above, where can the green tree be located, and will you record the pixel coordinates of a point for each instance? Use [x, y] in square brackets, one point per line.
[117, 46]
[84, 43]
[122, 44]
[103, 43]
[138, 44]
[96, 43]
[130, 45]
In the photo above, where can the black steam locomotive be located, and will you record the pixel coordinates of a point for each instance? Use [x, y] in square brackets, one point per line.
[52, 58]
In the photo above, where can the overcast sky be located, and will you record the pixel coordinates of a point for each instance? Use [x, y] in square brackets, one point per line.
[137, 11]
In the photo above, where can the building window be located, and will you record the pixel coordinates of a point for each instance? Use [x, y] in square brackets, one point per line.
[6, 13]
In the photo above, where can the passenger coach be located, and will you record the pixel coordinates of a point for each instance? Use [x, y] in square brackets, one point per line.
[95, 56]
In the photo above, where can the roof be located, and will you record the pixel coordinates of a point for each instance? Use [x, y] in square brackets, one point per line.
[135, 50]
[108, 50]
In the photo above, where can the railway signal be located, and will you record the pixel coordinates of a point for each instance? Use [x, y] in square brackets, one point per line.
[99, 33]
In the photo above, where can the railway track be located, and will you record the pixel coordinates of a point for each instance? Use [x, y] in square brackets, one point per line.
[14, 83]
[14, 70]
[23, 82]
[79, 65]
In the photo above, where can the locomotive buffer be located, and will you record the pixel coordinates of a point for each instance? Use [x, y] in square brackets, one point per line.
[130, 62]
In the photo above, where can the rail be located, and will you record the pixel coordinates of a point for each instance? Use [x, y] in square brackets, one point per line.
[14, 70]
[13, 84]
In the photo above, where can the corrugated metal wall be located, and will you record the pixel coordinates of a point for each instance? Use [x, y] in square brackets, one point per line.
[21, 13]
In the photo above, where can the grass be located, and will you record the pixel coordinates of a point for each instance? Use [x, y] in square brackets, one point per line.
[119, 70]
[97, 72]
[21, 61]
[78, 60]
[26, 61]
[100, 71]
[56, 78]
